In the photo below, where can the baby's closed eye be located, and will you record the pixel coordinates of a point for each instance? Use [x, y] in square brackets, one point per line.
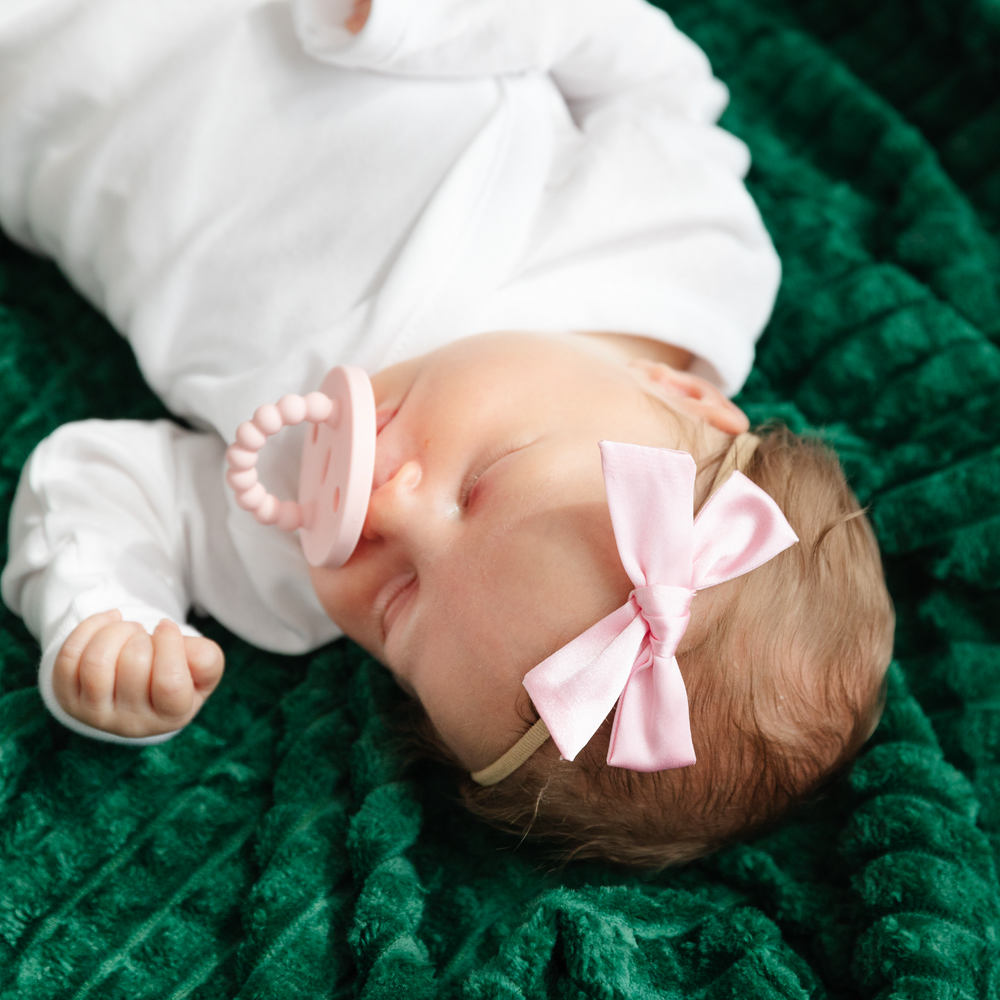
[491, 457]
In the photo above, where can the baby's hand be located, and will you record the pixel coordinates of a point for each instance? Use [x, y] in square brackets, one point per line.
[113, 675]
[359, 16]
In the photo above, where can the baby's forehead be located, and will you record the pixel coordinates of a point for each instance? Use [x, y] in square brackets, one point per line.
[504, 386]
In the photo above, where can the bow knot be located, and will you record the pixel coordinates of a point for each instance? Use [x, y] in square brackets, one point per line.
[666, 610]
[628, 657]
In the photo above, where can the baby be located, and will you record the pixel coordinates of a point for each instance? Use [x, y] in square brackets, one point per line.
[254, 192]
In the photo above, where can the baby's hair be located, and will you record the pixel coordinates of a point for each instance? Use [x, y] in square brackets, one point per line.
[785, 671]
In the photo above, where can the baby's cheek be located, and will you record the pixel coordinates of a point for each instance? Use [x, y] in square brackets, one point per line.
[343, 604]
[471, 701]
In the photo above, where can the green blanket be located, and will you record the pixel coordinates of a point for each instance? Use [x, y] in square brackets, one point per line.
[283, 846]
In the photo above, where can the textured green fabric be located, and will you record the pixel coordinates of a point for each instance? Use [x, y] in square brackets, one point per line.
[281, 848]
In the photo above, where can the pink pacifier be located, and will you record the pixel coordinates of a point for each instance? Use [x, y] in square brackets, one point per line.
[338, 463]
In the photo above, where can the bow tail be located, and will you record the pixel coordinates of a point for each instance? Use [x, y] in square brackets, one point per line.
[652, 730]
[577, 686]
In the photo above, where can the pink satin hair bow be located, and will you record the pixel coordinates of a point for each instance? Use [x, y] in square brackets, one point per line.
[669, 555]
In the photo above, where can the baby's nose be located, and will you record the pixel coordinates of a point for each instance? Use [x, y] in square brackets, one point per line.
[390, 508]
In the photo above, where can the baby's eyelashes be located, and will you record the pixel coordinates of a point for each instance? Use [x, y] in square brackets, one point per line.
[469, 482]
[495, 454]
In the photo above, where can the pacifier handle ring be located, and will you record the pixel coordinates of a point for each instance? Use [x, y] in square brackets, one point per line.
[252, 435]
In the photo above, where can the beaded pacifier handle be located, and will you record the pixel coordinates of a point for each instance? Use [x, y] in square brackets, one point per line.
[338, 462]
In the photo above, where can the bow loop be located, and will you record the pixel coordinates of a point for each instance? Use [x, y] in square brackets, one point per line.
[739, 528]
[628, 656]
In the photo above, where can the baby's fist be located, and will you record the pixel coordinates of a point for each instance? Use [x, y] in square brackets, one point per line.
[358, 17]
[114, 676]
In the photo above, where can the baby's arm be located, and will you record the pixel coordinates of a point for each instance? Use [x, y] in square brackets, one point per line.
[99, 537]
[596, 50]
[649, 210]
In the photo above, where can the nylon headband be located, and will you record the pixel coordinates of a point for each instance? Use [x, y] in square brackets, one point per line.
[514, 757]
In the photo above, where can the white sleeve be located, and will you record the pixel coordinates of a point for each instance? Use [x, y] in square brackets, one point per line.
[135, 516]
[595, 50]
[649, 231]
[646, 226]
[95, 526]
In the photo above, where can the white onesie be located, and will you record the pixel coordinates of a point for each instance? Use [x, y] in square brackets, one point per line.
[252, 195]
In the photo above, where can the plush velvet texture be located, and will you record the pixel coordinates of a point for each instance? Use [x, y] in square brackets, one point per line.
[281, 847]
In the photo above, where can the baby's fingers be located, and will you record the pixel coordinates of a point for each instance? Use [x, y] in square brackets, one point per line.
[98, 666]
[135, 664]
[206, 662]
[68, 660]
[66, 670]
[358, 16]
[171, 688]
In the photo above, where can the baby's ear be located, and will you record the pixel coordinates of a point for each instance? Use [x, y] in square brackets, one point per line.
[691, 394]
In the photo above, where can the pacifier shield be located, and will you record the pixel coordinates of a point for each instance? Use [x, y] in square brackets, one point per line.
[338, 464]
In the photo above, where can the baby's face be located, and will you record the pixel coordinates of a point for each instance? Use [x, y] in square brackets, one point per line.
[488, 542]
